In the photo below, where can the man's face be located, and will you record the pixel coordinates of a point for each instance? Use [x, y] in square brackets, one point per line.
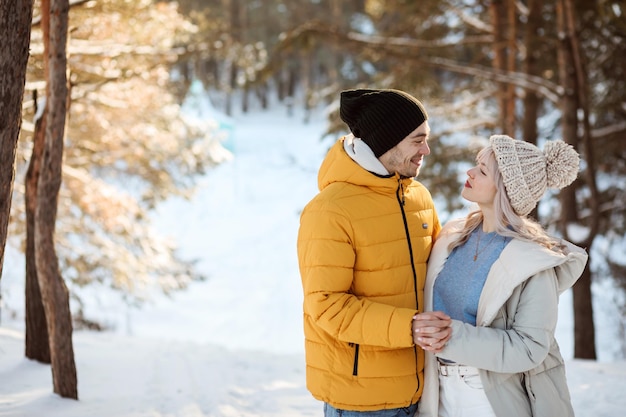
[407, 156]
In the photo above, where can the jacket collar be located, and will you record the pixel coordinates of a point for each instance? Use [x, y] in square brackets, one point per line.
[338, 166]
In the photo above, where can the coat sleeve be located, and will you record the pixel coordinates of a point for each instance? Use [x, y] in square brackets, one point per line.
[517, 342]
[326, 259]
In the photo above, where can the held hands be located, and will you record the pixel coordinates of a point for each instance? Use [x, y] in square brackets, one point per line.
[431, 330]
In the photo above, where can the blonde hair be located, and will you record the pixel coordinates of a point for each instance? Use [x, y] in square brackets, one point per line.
[508, 223]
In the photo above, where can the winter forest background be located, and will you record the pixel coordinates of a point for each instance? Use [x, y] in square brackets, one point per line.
[102, 124]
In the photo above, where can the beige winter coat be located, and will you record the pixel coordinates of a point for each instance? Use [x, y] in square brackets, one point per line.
[513, 343]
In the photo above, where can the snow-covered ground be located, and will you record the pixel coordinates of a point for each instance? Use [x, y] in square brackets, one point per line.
[231, 345]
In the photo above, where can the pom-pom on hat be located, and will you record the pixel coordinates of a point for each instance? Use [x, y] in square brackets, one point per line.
[527, 171]
[381, 118]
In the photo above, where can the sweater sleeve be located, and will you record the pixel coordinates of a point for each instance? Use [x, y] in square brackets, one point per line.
[519, 346]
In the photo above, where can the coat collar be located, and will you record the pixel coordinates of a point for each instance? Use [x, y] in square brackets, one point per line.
[518, 261]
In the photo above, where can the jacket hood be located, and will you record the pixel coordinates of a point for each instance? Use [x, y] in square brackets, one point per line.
[339, 167]
[568, 266]
[535, 258]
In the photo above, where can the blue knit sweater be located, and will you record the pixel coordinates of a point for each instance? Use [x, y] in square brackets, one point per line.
[460, 282]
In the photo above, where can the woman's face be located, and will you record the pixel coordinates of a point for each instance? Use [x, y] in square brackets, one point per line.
[480, 187]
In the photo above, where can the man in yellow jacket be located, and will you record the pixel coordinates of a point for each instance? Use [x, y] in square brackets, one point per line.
[363, 244]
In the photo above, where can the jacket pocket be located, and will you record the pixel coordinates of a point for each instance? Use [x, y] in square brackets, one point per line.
[526, 383]
[355, 365]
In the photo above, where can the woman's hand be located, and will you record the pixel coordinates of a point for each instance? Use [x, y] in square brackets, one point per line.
[431, 330]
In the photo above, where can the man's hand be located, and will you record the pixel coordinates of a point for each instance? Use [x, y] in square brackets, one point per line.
[431, 330]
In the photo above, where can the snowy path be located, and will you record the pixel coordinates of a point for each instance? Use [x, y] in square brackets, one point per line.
[152, 378]
[242, 226]
[140, 377]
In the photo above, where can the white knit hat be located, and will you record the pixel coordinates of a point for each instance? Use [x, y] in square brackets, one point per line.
[527, 171]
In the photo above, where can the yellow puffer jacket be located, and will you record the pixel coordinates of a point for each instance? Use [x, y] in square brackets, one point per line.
[362, 246]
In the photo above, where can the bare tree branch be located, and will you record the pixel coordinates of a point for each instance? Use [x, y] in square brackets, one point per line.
[612, 130]
[37, 19]
[397, 47]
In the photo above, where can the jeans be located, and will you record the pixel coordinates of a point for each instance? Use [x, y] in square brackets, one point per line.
[330, 411]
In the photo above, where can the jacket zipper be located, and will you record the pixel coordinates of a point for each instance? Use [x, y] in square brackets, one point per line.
[355, 366]
[400, 198]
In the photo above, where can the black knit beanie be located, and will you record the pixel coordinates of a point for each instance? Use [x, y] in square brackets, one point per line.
[381, 118]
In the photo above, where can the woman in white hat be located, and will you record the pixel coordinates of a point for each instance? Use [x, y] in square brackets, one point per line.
[498, 274]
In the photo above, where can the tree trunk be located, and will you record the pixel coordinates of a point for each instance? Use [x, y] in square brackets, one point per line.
[53, 290]
[36, 333]
[530, 66]
[572, 77]
[15, 22]
[334, 57]
[240, 18]
[531, 100]
[307, 81]
[511, 55]
[497, 10]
